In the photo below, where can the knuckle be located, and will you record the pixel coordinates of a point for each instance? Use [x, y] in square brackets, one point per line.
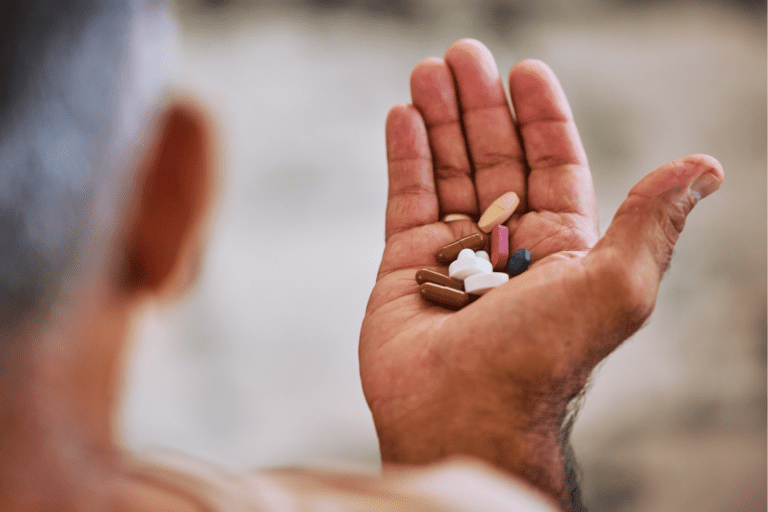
[677, 212]
[448, 171]
[551, 161]
[671, 222]
[407, 191]
[490, 161]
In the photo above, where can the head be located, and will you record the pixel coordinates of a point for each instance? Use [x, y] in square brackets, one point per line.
[103, 177]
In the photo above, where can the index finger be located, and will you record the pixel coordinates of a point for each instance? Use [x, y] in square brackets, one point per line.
[559, 180]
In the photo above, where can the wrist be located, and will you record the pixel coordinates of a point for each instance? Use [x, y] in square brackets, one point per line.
[525, 447]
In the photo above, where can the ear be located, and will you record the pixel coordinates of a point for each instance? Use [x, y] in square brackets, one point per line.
[164, 237]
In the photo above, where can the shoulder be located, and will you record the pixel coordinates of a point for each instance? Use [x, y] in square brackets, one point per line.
[182, 484]
[137, 495]
[456, 485]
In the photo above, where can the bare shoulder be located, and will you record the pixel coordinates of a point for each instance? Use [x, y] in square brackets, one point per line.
[183, 484]
[136, 495]
[458, 484]
[169, 484]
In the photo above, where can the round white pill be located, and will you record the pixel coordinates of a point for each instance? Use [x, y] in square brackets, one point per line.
[483, 254]
[468, 264]
[465, 253]
[478, 284]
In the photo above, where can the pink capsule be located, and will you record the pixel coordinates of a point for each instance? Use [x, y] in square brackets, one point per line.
[500, 248]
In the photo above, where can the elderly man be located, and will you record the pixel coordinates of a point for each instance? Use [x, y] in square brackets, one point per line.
[103, 199]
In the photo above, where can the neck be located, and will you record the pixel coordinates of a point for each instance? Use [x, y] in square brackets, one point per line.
[57, 395]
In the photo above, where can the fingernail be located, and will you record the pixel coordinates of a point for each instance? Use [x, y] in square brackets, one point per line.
[704, 185]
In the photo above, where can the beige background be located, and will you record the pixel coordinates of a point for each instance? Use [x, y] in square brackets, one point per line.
[258, 366]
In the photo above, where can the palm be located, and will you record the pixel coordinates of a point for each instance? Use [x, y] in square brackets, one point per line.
[409, 332]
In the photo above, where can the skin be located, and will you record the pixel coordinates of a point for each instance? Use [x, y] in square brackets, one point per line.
[493, 380]
[489, 382]
[60, 393]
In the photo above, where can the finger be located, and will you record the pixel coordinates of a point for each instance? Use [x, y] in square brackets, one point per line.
[559, 180]
[494, 147]
[434, 95]
[627, 264]
[412, 200]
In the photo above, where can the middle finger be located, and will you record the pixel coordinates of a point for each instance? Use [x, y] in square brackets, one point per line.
[494, 147]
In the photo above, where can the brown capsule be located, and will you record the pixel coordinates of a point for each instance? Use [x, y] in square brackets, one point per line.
[444, 296]
[449, 253]
[430, 276]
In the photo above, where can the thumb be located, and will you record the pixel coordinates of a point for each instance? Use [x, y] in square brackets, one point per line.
[630, 259]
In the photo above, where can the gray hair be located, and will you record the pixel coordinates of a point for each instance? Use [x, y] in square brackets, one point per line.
[65, 88]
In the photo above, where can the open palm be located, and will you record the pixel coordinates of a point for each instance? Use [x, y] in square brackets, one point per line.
[493, 379]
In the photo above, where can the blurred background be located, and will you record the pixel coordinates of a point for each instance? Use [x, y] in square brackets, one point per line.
[258, 365]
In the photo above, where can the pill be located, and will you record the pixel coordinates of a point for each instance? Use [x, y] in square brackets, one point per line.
[500, 247]
[453, 217]
[483, 254]
[478, 284]
[430, 276]
[518, 262]
[444, 296]
[468, 264]
[498, 212]
[449, 253]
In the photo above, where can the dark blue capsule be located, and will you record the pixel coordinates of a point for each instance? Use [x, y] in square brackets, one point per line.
[518, 262]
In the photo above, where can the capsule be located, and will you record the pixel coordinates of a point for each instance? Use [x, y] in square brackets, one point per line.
[500, 247]
[430, 276]
[449, 298]
[451, 251]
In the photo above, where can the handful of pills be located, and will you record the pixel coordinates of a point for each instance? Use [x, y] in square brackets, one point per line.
[472, 271]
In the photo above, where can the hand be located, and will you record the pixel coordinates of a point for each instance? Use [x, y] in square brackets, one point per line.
[493, 380]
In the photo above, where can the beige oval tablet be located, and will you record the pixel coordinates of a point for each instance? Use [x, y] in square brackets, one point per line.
[453, 217]
[498, 212]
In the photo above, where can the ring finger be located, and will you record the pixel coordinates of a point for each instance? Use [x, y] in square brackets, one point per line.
[434, 95]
